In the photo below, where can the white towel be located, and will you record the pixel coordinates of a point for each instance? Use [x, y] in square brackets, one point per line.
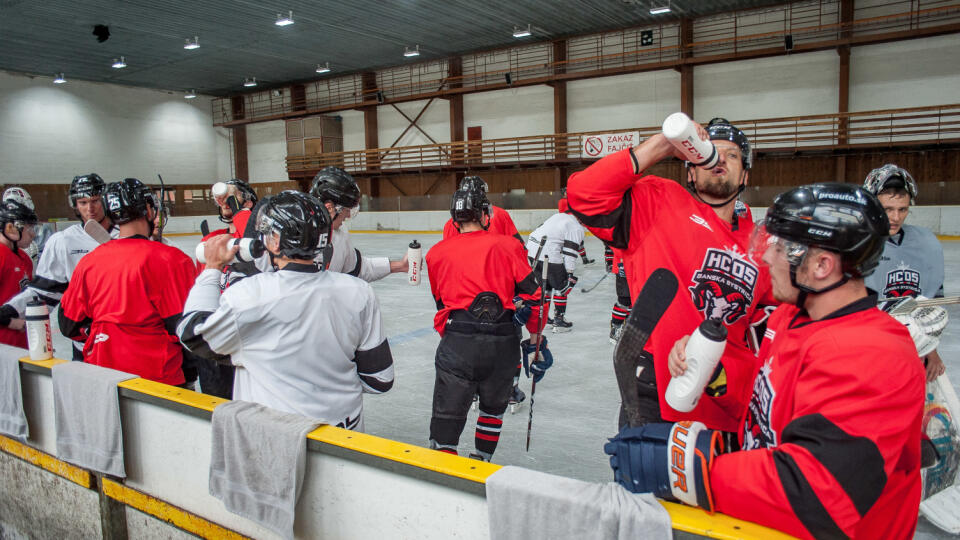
[13, 422]
[257, 462]
[533, 505]
[87, 416]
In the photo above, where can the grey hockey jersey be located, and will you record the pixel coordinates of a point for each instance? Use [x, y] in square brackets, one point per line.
[911, 265]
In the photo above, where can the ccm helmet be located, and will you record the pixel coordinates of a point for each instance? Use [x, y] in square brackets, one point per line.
[337, 186]
[473, 184]
[86, 185]
[841, 218]
[246, 192]
[891, 177]
[299, 223]
[720, 129]
[467, 206]
[128, 200]
[21, 215]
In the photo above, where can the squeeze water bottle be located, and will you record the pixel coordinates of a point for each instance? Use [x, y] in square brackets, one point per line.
[39, 338]
[679, 130]
[702, 353]
[415, 262]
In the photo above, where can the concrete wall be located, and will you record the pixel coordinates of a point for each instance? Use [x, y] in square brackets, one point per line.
[51, 133]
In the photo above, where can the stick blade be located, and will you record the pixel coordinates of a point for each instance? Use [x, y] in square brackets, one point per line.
[204, 228]
[96, 231]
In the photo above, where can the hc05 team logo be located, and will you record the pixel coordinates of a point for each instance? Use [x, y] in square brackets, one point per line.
[757, 431]
[901, 281]
[723, 287]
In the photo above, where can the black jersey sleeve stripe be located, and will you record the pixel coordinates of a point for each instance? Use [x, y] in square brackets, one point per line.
[170, 323]
[194, 342]
[520, 238]
[69, 327]
[48, 285]
[618, 220]
[803, 500]
[529, 285]
[573, 246]
[356, 269]
[855, 462]
[374, 360]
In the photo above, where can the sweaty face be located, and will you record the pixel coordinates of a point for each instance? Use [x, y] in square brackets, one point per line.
[90, 208]
[897, 206]
[722, 181]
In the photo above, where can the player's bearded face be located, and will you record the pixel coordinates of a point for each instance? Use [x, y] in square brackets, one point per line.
[722, 181]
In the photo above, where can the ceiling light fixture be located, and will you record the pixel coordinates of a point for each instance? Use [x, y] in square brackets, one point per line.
[59, 78]
[411, 53]
[325, 68]
[522, 32]
[660, 10]
[284, 20]
[119, 64]
[250, 82]
[189, 94]
[192, 44]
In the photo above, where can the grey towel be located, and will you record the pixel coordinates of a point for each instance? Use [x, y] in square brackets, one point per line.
[87, 416]
[12, 420]
[257, 461]
[533, 505]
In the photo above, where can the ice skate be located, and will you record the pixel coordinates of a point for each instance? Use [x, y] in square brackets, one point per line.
[561, 325]
[516, 398]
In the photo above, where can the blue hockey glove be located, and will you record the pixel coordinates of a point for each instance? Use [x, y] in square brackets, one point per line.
[540, 367]
[522, 312]
[672, 461]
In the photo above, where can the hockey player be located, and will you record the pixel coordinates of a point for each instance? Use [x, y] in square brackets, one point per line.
[304, 341]
[624, 303]
[234, 208]
[564, 236]
[474, 277]
[64, 249]
[831, 439]
[500, 220]
[700, 236]
[912, 259]
[130, 292]
[339, 193]
[17, 222]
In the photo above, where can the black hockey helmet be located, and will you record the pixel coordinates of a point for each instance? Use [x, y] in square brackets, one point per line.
[128, 200]
[246, 192]
[467, 206]
[891, 177]
[720, 129]
[473, 184]
[17, 213]
[298, 221]
[335, 185]
[841, 218]
[86, 185]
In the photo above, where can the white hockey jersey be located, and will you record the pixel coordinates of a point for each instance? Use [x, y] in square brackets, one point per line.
[347, 259]
[564, 236]
[60, 256]
[303, 341]
[911, 265]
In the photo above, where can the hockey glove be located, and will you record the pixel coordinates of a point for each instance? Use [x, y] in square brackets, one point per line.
[672, 461]
[7, 314]
[925, 325]
[521, 312]
[540, 367]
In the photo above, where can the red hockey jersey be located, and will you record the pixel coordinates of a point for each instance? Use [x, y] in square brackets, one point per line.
[131, 291]
[500, 223]
[832, 435]
[16, 269]
[461, 267]
[659, 224]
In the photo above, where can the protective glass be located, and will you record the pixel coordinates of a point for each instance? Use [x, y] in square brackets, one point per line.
[347, 212]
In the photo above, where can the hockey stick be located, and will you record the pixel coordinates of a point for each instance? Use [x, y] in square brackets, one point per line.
[204, 228]
[536, 350]
[650, 305]
[163, 221]
[96, 231]
[594, 286]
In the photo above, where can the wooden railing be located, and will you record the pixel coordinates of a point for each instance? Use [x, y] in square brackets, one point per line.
[728, 36]
[912, 126]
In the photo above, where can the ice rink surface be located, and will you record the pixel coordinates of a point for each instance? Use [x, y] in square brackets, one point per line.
[576, 404]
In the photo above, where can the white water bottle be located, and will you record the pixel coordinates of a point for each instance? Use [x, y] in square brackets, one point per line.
[39, 338]
[702, 354]
[415, 263]
[680, 130]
